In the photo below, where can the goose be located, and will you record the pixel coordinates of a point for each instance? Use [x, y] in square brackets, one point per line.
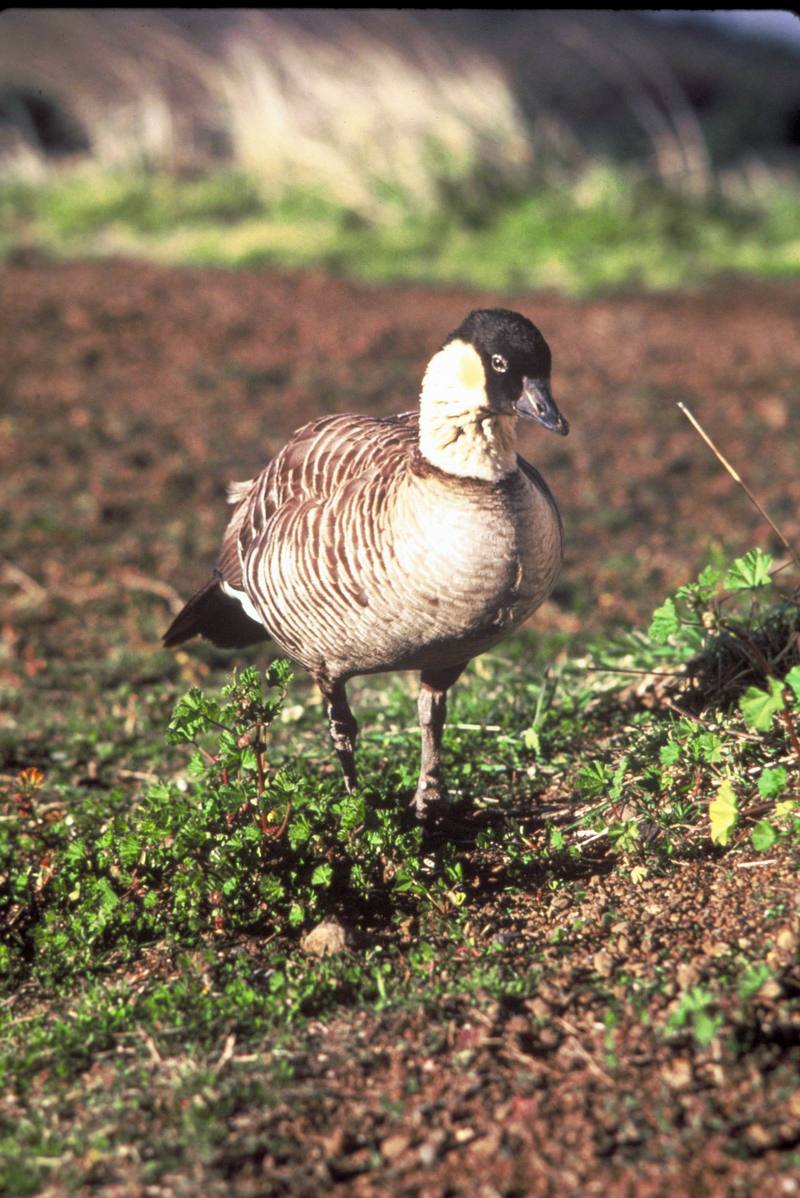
[409, 542]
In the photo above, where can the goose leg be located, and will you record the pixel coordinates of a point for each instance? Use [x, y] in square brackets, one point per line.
[432, 707]
[343, 727]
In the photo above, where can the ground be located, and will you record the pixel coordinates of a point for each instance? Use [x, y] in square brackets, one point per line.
[130, 395]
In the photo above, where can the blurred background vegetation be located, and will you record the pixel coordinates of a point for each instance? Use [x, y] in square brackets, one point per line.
[574, 149]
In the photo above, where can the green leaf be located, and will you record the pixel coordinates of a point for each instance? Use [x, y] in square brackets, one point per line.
[792, 679]
[705, 1027]
[664, 624]
[752, 570]
[708, 747]
[322, 876]
[708, 578]
[299, 832]
[352, 814]
[670, 753]
[279, 674]
[772, 781]
[723, 812]
[193, 713]
[753, 979]
[531, 741]
[759, 707]
[271, 888]
[594, 778]
[556, 839]
[618, 780]
[763, 836]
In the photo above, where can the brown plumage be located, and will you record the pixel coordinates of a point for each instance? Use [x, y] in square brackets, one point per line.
[411, 542]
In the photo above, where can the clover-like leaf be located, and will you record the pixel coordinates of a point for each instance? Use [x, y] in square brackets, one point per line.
[723, 812]
[752, 570]
[772, 781]
[792, 680]
[664, 624]
[760, 706]
[763, 836]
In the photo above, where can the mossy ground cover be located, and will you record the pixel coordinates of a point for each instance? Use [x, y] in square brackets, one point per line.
[589, 978]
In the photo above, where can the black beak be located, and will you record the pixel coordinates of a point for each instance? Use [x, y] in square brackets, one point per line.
[537, 403]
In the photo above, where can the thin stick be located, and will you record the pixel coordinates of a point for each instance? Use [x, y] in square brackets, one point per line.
[737, 478]
[789, 722]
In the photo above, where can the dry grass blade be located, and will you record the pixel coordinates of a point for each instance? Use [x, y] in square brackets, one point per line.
[738, 479]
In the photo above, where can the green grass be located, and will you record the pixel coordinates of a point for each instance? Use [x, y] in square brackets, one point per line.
[163, 922]
[253, 835]
[604, 232]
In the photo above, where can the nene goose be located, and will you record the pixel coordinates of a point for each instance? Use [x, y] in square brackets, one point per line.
[412, 542]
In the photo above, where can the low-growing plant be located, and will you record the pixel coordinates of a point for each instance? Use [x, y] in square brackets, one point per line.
[720, 748]
[253, 837]
[239, 845]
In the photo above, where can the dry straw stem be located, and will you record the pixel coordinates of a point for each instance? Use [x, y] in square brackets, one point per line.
[738, 479]
[353, 112]
[341, 107]
[364, 106]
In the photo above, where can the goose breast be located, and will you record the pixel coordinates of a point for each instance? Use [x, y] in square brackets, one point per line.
[403, 567]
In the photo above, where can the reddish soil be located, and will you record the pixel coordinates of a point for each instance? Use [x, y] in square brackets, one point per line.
[131, 394]
[129, 390]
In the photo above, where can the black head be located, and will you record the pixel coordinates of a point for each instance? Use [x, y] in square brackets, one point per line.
[516, 363]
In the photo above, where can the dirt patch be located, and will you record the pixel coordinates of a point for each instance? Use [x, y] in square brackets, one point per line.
[564, 1093]
[130, 395]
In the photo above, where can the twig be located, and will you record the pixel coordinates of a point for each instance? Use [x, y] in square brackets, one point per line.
[138, 775]
[621, 670]
[786, 714]
[226, 1054]
[150, 1044]
[259, 751]
[738, 479]
[23, 580]
[140, 582]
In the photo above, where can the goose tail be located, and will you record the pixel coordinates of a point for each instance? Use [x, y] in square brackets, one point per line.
[218, 617]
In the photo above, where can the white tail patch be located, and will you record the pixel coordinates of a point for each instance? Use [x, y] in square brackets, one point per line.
[243, 599]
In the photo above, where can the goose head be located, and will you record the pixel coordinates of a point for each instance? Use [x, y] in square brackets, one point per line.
[493, 369]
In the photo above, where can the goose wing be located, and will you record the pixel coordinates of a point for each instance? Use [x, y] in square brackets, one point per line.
[318, 460]
[533, 476]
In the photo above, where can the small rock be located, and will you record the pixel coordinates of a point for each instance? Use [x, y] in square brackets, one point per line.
[677, 1074]
[394, 1146]
[429, 1151]
[325, 940]
[603, 963]
[757, 1136]
[770, 989]
[538, 1009]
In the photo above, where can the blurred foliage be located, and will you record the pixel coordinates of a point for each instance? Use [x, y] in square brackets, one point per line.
[606, 231]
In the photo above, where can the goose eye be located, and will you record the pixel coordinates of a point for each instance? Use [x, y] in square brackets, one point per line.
[499, 363]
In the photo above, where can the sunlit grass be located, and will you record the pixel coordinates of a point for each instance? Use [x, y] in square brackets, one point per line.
[606, 231]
